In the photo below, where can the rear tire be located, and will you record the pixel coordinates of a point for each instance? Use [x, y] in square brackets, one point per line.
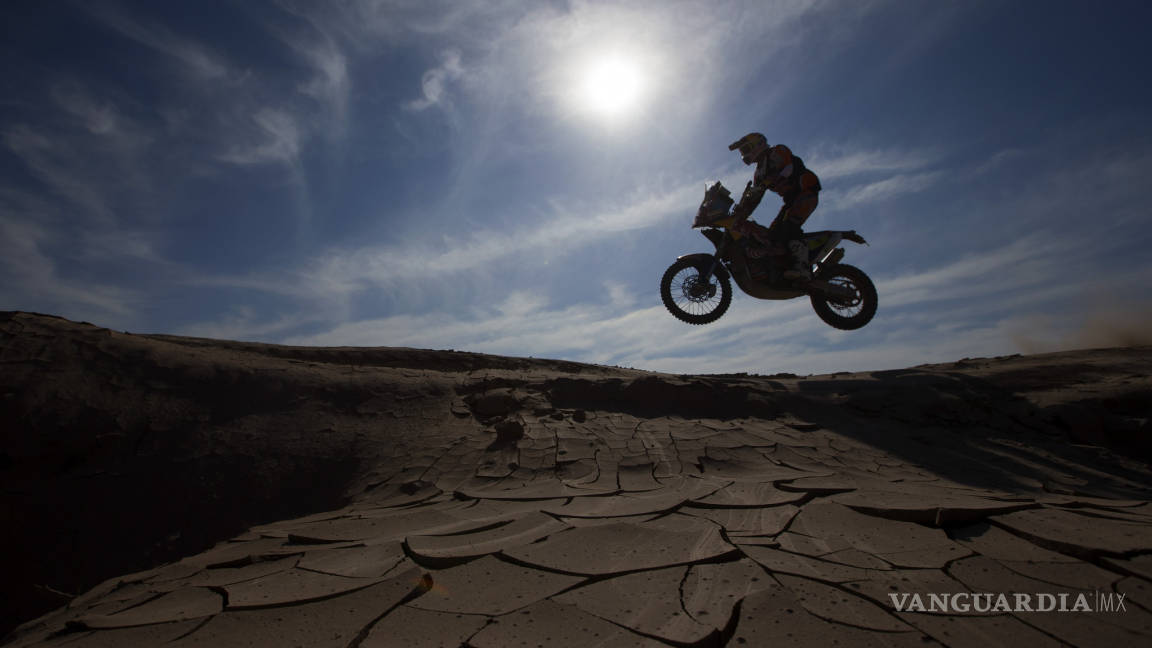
[689, 300]
[851, 314]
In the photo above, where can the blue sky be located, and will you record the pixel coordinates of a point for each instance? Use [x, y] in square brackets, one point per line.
[463, 175]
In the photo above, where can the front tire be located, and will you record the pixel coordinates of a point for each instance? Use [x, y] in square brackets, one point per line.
[850, 314]
[691, 300]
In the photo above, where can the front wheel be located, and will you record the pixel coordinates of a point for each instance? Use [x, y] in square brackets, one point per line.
[851, 313]
[690, 298]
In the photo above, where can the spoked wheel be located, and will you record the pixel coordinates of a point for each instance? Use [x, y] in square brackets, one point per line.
[846, 313]
[690, 298]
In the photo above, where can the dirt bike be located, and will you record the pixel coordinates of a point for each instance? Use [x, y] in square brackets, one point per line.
[697, 290]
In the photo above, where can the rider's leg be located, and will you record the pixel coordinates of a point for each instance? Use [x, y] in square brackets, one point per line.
[792, 218]
[800, 269]
[786, 230]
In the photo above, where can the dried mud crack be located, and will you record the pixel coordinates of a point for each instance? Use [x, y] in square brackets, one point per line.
[189, 492]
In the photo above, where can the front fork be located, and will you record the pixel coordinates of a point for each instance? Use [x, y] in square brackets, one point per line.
[706, 274]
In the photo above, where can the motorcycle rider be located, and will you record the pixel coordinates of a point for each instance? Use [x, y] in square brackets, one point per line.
[777, 170]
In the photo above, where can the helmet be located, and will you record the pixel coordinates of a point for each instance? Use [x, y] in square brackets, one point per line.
[751, 147]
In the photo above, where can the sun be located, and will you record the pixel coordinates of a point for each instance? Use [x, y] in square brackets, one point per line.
[611, 86]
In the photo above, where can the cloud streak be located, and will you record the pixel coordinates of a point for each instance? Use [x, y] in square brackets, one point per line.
[349, 271]
[195, 56]
[869, 161]
[278, 139]
[32, 278]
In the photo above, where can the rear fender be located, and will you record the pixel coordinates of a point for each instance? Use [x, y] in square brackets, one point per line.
[851, 235]
[825, 243]
[702, 261]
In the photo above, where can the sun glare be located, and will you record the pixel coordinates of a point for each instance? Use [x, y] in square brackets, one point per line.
[612, 86]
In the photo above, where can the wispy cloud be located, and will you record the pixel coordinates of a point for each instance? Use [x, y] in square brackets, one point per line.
[98, 117]
[32, 280]
[881, 190]
[869, 161]
[277, 139]
[237, 112]
[434, 83]
[55, 162]
[564, 230]
[1028, 271]
[319, 45]
[195, 56]
[331, 84]
[524, 324]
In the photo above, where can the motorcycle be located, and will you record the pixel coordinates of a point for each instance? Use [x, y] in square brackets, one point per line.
[697, 289]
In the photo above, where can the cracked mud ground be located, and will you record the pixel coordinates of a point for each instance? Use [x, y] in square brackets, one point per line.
[165, 491]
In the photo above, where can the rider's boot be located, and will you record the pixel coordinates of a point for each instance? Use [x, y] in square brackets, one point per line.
[801, 269]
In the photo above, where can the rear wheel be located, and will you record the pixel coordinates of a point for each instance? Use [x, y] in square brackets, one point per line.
[846, 313]
[691, 299]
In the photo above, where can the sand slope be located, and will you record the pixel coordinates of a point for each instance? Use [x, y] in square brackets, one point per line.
[270, 495]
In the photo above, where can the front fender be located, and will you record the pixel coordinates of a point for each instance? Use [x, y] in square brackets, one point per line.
[702, 261]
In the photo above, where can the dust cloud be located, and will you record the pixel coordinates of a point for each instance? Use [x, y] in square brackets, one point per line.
[1113, 326]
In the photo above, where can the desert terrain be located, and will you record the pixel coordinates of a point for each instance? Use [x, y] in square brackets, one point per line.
[174, 491]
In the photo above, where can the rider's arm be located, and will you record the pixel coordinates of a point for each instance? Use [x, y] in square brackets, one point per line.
[753, 193]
